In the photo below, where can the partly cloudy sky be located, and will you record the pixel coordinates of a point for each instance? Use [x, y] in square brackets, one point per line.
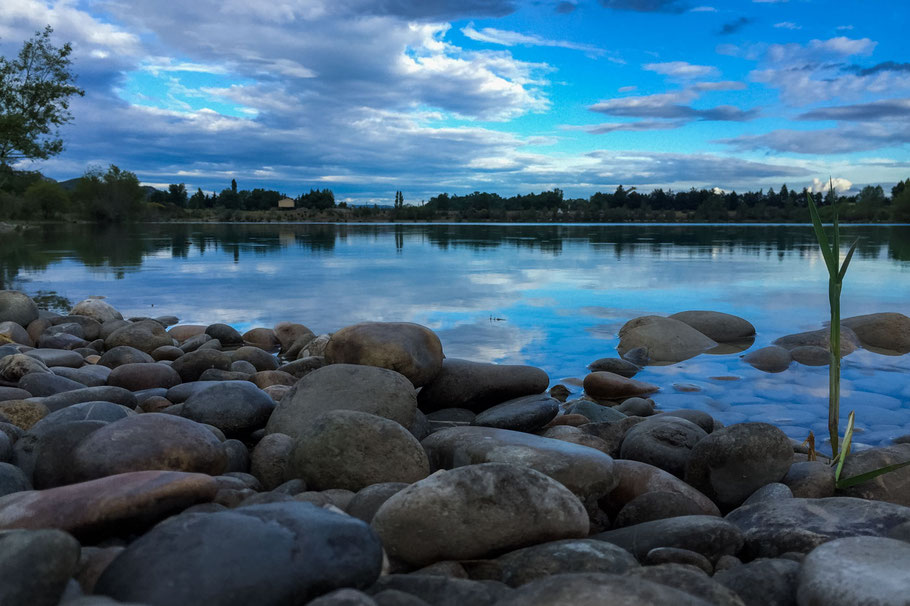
[367, 97]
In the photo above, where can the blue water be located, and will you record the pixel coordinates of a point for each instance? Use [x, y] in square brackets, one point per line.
[549, 295]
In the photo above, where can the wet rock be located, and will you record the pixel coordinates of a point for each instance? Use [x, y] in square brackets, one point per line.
[663, 441]
[293, 337]
[574, 435]
[124, 354]
[106, 505]
[731, 463]
[811, 355]
[763, 582]
[268, 378]
[637, 407]
[436, 589]
[13, 393]
[235, 408]
[261, 360]
[303, 366]
[772, 528]
[36, 565]
[143, 375]
[263, 338]
[293, 552]
[196, 341]
[17, 307]
[559, 557]
[666, 340]
[90, 375]
[410, 349]
[166, 352]
[770, 492]
[41, 384]
[811, 480]
[368, 500]
[473, 511]
[586, 472]
[635, 479]
[618, 366]
[609, 386]
[105, 393]
[351, 449]
[12, 332]
[594, 412]
[688, 579]
[15, 366]
[716, 325]
[769, 359]
[96, 309]
[710, 536]
[887, 332]
[528, 413]
[612, 432]
[560, 392]
[478, 386]
[369, 389]
[590, 589]
[657, 505]
[12, 479]
[184, 332]
[149, 441]
[228, 335]
[856, 570]
[849, 342]
[190, 366]
[700, 418]
[892, 487]
[146, 336]
[673, 555]
[53, 453]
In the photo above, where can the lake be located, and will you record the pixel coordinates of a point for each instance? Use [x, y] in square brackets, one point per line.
[553, 296]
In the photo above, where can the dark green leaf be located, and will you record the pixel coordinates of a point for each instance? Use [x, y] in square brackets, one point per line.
[869, 475]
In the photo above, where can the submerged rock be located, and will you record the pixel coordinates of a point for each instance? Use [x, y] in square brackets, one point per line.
[887, 332]
[478, 386]
[666, 340]
[716, 325]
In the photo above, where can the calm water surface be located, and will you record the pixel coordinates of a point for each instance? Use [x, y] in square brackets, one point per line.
[549, 295]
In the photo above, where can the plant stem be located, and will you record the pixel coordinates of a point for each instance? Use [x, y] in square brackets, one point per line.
[834, 365]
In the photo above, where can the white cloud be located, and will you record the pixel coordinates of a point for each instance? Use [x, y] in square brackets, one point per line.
[508, 38]
[703, 9]
[787, 25]
[682, 70]
[840, 185]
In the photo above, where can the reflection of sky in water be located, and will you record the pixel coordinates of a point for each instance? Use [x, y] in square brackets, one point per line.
[551, 296]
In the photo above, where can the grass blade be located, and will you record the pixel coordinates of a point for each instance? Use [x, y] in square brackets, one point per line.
[821, 237]
[869, 475]
[843, 268]
[845, 450]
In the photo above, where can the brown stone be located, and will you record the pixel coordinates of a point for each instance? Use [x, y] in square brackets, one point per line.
[887, 333]
[90, 508]
[571, 420]
[603, 385]
[23, 413]
[267, 378]
[637, 478]
[184, 332]
[263, 338]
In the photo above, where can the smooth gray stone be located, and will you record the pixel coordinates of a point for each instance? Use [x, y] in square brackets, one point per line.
[57, 357]
[291, 553]
[181, 393]
[43, 384]
[35, 566]
[689, 579]
[770, 492]
[699, 417]
[368, 500]
[772, 528]
[656, 505]
[12, 479]
[675, 555]
[762, 582]
[123, 354]
[442, 591]
[597, 589]
[478, 385]
[528, 413]
[662, 441]
[556, 557]
[708, 535]
[91, 375]
[618, 366]
[103, 393]
[597, 413]
[233, 407]
[871, 571]
[893, 487]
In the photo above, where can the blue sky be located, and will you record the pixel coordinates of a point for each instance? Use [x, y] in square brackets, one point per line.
[367, 97]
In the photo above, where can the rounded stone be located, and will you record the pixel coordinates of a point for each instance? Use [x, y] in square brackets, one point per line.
[637, 407]
[368, 500]
[733, 462]
[269, 459]
[15, 366]
[145, 335]
[410, 349]
[662, 441]
[887, 332]
[610, 386]
[96, 309]
[260, 359]
[12, 479]
[233, 407]
[635, 479]
[478, 385]
[143, 375]
[618, 366]
[190, 366]
[762, 582]
[23, 413]
[666, 340]
[42, 384]
[856, 570]
[149, 441]
[710, 536]
[810, 479]
[124, 354]
[656, 505]
[166, 352]
[716, 325]
[700, 418]
[369, 389]
[892, 487]
[528, 413]
[292, 338]
[849, 342]
[263, 338]
[17, 307]
[557, 557]
[225, 333]
[350, 449]
[35, 565]
[811, 355]
[591, 589]
[12, 332]
[473, 511]
[769, 359]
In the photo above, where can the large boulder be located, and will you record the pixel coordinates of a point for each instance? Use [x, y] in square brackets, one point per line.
[887, 333]
[733, 462]
[635, 479]
[143, 375]
[663, 441]
[772, 358]
[666, 340]
[528, 413]
[856, 570]
[410, 349]
[378, 391]
[479, 385]
[17, 307]
[774, 527]
[585, 471]
[289, 553]
[473, 511]
[603, 385]
[234, 407]
[96, 309]
[716, 325]
[145, 335]
[352, 450]
[762, 582]
[36, 565]
[107, 505]
[893, 487]
[149, 441]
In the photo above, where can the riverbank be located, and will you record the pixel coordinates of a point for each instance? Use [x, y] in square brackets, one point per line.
[365, 466]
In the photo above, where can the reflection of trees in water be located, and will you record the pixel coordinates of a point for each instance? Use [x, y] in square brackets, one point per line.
[122, 248]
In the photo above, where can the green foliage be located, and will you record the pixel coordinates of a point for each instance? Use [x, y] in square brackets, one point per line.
[111, 197]
[900, 203]
[46, 200]
[35, 89]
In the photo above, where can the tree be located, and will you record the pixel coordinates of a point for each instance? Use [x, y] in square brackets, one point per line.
[176, 194]
[197, 200]
[114, 196]
[45, 199]
[35, 89]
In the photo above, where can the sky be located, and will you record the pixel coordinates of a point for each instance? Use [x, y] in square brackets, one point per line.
[367, 97]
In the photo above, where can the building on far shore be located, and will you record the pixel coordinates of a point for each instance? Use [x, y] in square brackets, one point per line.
[286, 204]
